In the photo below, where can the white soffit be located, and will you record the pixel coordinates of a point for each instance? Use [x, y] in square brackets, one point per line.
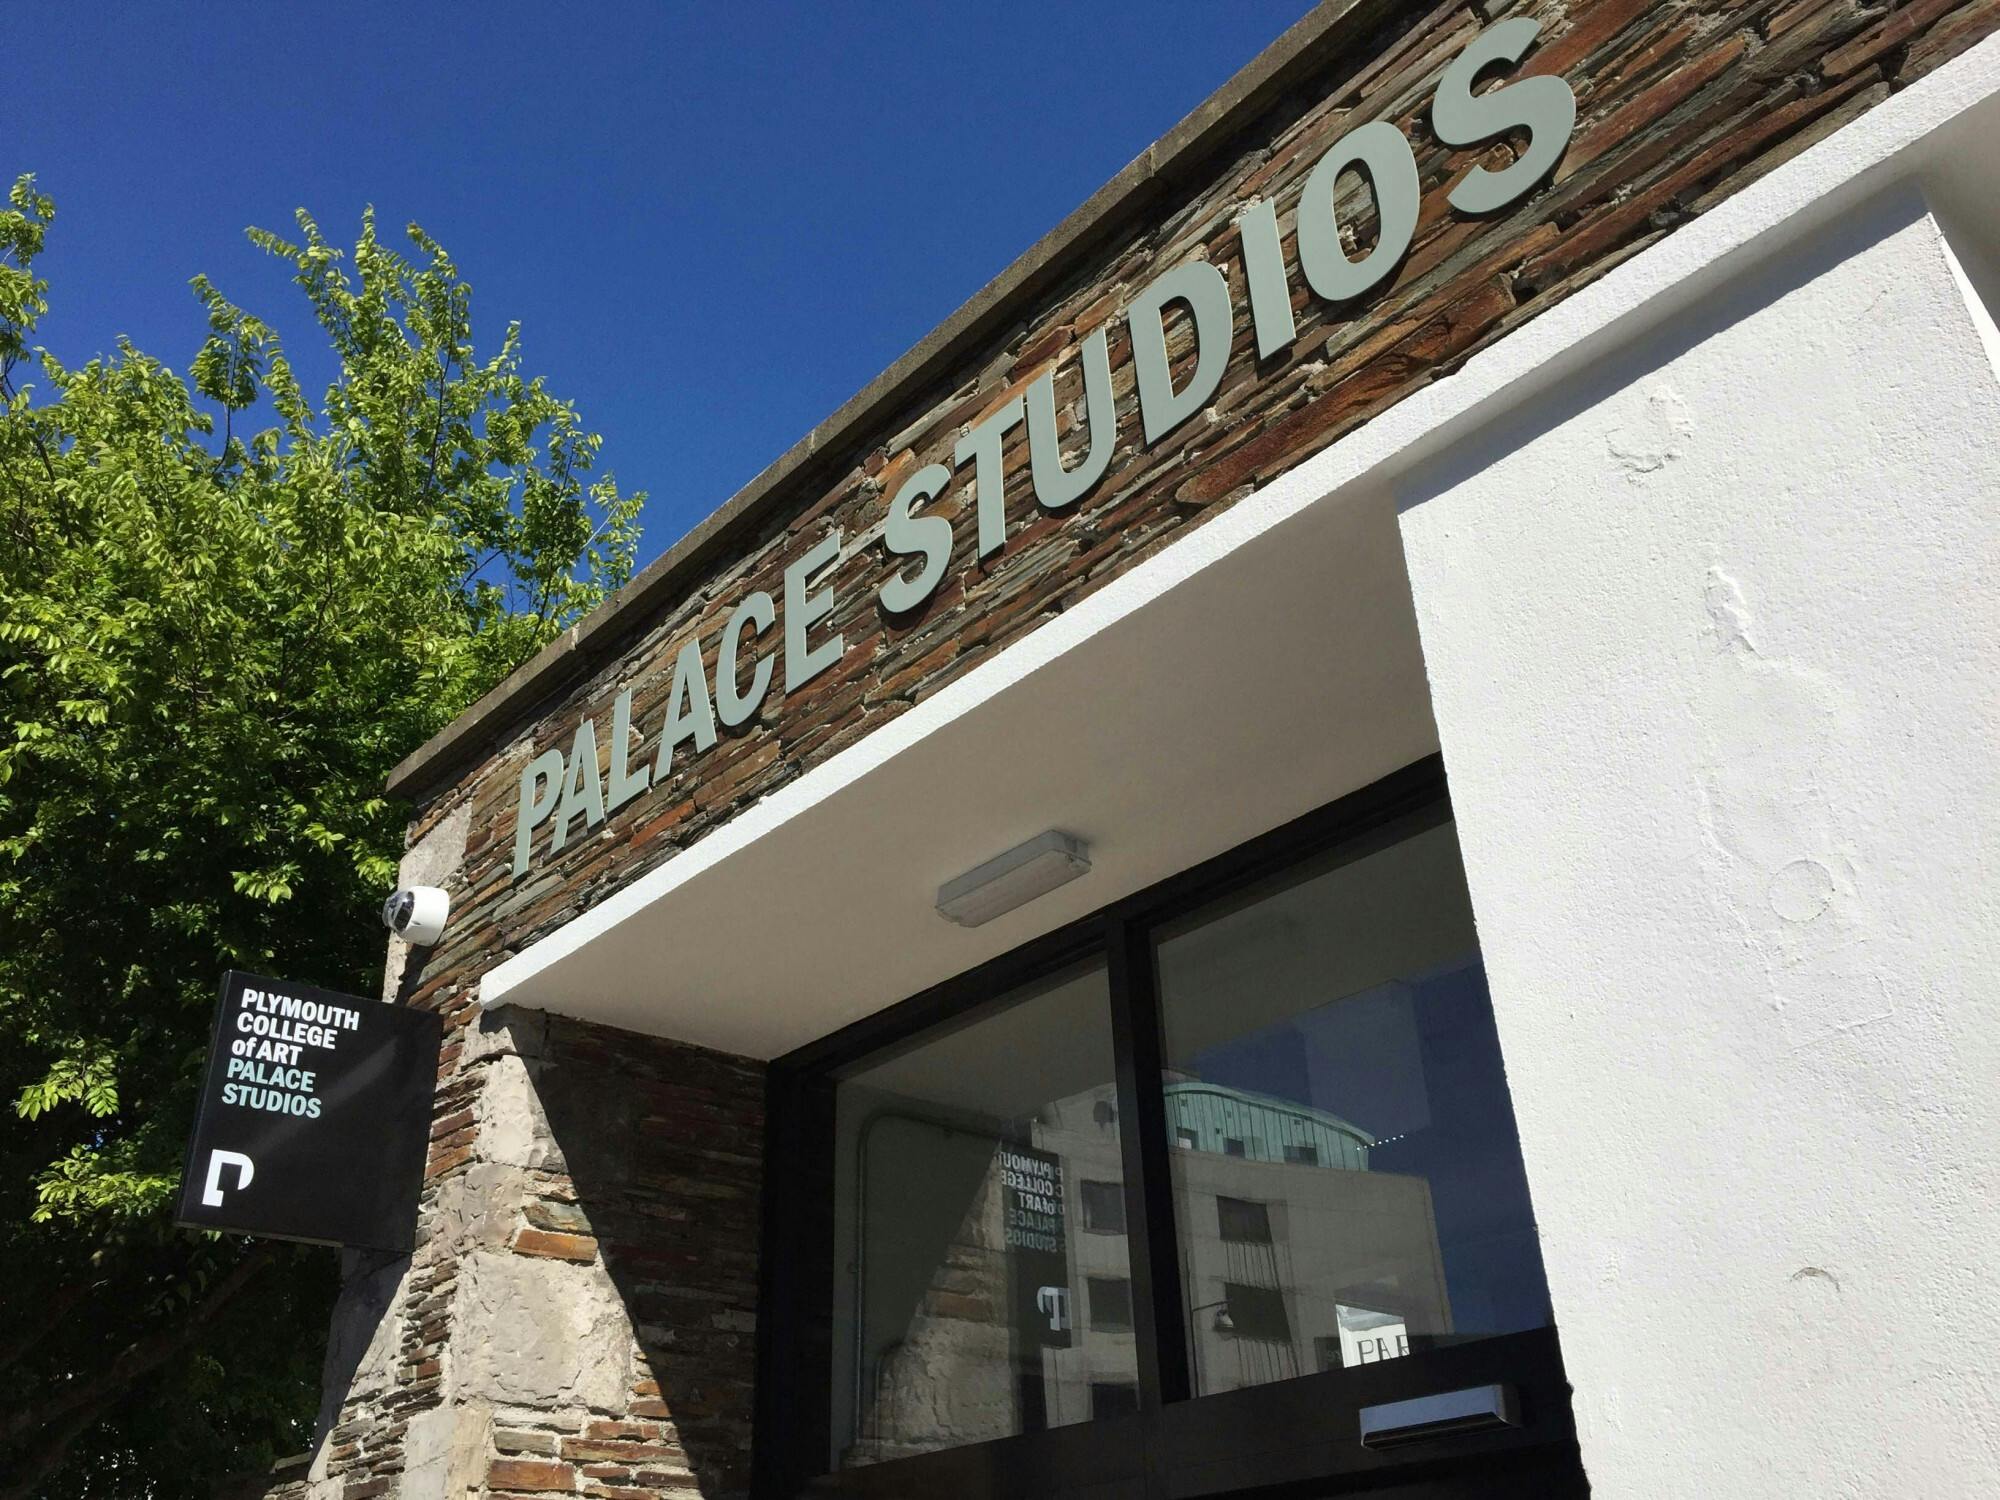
[1260, 666]
[1269, 678]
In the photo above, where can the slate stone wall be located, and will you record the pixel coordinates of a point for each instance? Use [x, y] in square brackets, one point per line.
[579, 1315]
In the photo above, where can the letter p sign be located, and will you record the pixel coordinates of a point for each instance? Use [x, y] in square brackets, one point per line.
[246, 1169]
[1053, 1301]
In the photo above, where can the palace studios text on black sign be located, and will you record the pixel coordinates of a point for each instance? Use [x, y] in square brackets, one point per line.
[314, 1116]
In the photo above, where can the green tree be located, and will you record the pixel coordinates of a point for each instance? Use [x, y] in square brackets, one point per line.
[226, 611]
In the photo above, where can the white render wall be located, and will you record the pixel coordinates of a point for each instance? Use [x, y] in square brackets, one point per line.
[1713, 635]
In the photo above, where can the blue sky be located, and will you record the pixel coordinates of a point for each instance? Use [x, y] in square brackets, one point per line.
[715, 222]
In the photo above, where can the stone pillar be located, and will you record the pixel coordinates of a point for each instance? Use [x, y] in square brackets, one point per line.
[579, 1313]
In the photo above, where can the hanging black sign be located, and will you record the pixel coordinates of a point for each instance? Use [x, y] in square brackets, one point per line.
[1031, 1205]
[314, 1117]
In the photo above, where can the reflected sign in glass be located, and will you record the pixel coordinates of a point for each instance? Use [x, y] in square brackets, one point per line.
[1033, 1230]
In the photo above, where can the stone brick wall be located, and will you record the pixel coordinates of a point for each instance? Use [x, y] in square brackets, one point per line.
[579, 1315]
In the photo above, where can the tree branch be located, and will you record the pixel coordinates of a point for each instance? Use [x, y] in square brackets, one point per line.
[53, 1448]
[138, 1358]
[7, 391]
[53, 1311]
[437, 428]
[479, 567]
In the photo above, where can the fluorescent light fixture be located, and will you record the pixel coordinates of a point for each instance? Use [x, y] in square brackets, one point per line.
[1013, 879]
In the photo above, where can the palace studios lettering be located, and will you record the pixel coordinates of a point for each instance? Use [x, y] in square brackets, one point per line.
[274, 1032]
[1034, 1201]
[1031, 1206]
[561, 788]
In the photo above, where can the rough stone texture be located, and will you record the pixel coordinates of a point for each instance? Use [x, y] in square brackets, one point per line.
[543, 1333]
[559, 1330]
[578, 1314]
[444, 1452]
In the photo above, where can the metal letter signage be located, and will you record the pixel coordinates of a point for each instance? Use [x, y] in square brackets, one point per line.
[556, 789]
[314, 1117]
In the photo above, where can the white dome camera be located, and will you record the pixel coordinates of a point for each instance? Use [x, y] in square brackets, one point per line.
[417, 914]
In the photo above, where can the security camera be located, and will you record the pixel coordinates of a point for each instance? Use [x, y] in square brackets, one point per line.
[416, 914]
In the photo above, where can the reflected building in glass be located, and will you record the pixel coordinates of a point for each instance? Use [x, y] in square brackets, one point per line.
[982, 1275]
[1347, 1180]
[1291, 1245]
[1299, 1258]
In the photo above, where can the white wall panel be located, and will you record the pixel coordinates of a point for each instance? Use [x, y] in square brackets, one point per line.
[1711, 633]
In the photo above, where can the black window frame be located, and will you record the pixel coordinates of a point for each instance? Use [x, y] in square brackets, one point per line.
[1298, 1436]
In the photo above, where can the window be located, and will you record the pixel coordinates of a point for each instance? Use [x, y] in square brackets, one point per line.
[1254, 1312]
[1243, 1222]
[1343, 1008]
[1103, 1206]
[1110, 1304]
[1112, 1399]
[953, 1258]
[1332, 1175]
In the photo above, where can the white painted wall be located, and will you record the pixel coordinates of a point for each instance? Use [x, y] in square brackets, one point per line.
[1711, 633]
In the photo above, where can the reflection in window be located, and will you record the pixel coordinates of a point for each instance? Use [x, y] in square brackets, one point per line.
[1245, 1223]
[1103, 1207]
[1111, 1304]
[1369, 1336]
[1255, 1312]
[1331, 1063]
[961, 1166]
[1111, 1398]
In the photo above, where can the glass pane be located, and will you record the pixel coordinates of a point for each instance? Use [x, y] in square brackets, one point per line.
[981, 1273]
[1348, 1179]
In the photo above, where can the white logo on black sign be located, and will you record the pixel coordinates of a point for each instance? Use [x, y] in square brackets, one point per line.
[211, 1190]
